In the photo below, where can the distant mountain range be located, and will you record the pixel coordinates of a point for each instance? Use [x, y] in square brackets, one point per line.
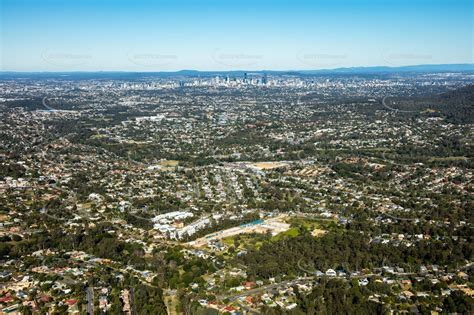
[467, 67]
[415, 68]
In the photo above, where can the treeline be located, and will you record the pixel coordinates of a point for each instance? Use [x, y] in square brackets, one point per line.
[175, 270]
[456, 106]
[99, 241]
[34, 103]
[332, 296]
[181, 271]
[348, 250]
[9, 169]
[148, 300]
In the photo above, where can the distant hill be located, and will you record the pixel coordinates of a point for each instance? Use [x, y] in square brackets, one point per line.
[414, 68]
[195, 73]
[456, 106]
[462, 96]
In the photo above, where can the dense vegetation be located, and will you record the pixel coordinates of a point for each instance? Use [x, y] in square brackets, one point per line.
[350, 251]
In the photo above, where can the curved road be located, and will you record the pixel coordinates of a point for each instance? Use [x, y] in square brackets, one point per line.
[384, 103]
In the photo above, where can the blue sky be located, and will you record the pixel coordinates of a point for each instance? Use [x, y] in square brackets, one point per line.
[141, 35]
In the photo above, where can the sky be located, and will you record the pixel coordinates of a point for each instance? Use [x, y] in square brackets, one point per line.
[170, 35]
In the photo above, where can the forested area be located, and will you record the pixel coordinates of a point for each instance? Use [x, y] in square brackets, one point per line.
[350, 251]
[456, 106]
[332, 296]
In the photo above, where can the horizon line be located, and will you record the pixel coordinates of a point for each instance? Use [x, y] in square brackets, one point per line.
[246, 70]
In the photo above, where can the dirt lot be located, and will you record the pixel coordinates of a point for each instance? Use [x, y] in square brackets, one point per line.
[268, 165]
[274, 225]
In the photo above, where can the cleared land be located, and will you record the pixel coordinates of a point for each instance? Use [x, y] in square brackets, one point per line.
[268, 165]
[274, 225]
[318, 232]
[168, 163]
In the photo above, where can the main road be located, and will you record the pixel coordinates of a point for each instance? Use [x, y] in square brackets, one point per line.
[90, 300]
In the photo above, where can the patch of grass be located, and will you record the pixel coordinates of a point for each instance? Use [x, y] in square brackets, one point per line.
[245, 240]
[228, 241]
[292, 232]
[310, 223]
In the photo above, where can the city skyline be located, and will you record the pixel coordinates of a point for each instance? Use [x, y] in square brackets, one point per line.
[212, 36]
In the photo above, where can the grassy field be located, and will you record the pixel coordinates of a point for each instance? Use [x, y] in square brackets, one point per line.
[309, 224]
[292, 232]
[254, 240]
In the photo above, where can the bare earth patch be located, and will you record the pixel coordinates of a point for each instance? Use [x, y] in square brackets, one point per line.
[318, 232]
[268, 165]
